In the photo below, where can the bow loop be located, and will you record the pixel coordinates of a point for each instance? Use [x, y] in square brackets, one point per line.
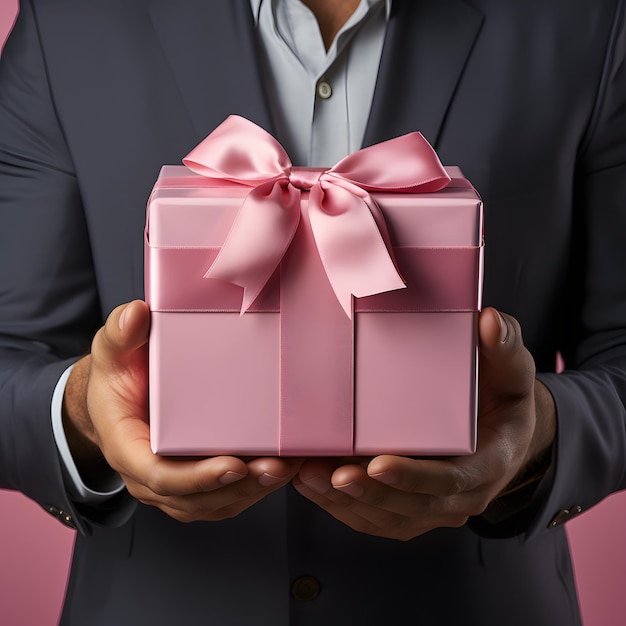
[404, 164]
[239, 151]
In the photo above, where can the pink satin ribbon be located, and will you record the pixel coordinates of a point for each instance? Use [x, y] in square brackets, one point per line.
[349, 229]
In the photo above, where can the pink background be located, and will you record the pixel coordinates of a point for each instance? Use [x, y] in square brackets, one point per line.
[35, 549]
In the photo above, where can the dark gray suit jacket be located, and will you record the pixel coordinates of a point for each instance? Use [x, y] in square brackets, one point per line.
[527, 96]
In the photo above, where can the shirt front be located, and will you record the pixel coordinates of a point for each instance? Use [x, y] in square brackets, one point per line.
[320, 99]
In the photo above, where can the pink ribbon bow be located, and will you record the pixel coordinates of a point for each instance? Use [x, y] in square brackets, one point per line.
[347, 224]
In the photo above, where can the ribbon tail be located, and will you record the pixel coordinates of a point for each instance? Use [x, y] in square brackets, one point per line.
[352, 249]
[258, 239]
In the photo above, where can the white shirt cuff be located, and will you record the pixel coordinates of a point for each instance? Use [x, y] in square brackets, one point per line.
[78, 491]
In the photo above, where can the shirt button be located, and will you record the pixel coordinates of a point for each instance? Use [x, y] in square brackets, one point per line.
[324, 90]
[305, 588]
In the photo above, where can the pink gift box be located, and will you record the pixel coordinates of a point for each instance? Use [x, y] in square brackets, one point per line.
[294, 375]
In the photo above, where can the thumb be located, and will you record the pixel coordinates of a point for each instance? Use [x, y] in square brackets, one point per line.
[126, 330]
[506, 366]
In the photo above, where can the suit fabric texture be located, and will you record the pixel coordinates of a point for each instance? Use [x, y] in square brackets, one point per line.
[528, 97]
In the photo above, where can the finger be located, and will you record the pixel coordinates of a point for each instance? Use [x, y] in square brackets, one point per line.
[117, 388]
[505, 364]
[214, 506]
[354, 498]
[270, 471]
[354, 481]
[431, 478]
[350, 483]
[451, 506]
[316, 474]
[442, 478]
[127, 328]
[226, 500]
[176, 477]
[344, 508]
[372, 519]
[179, 477]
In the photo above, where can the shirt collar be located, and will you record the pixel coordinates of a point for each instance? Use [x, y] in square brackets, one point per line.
[256, 7]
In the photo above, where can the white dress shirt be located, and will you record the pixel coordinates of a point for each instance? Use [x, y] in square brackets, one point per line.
[319, 100]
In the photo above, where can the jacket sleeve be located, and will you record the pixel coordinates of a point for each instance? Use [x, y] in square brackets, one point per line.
[589, 457]
[49, 306]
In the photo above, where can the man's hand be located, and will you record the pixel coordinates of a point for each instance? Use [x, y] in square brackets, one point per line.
[106, 419]
[401, 498]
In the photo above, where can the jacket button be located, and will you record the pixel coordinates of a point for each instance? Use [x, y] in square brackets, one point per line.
[62, 516]
[565, 515]
[305, 588]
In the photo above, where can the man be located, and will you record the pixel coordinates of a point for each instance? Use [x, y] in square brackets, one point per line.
[528, 98]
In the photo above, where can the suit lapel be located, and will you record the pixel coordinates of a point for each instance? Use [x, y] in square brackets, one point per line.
[212, 51]
[211, 48]
[426, 48]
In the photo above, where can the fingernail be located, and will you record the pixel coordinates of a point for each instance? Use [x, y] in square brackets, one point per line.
[388, 478]
[230, 477]
[122, 319]
[317, 484]
[504, 328]
[267, 480]
[352, 489]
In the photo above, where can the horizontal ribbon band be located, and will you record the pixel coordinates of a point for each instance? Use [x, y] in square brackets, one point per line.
[197, 181]
[439, 279]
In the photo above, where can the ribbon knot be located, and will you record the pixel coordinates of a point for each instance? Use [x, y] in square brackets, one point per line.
[347, 224]
[305, 178]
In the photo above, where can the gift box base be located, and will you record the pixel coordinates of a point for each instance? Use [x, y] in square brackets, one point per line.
[225, 399]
